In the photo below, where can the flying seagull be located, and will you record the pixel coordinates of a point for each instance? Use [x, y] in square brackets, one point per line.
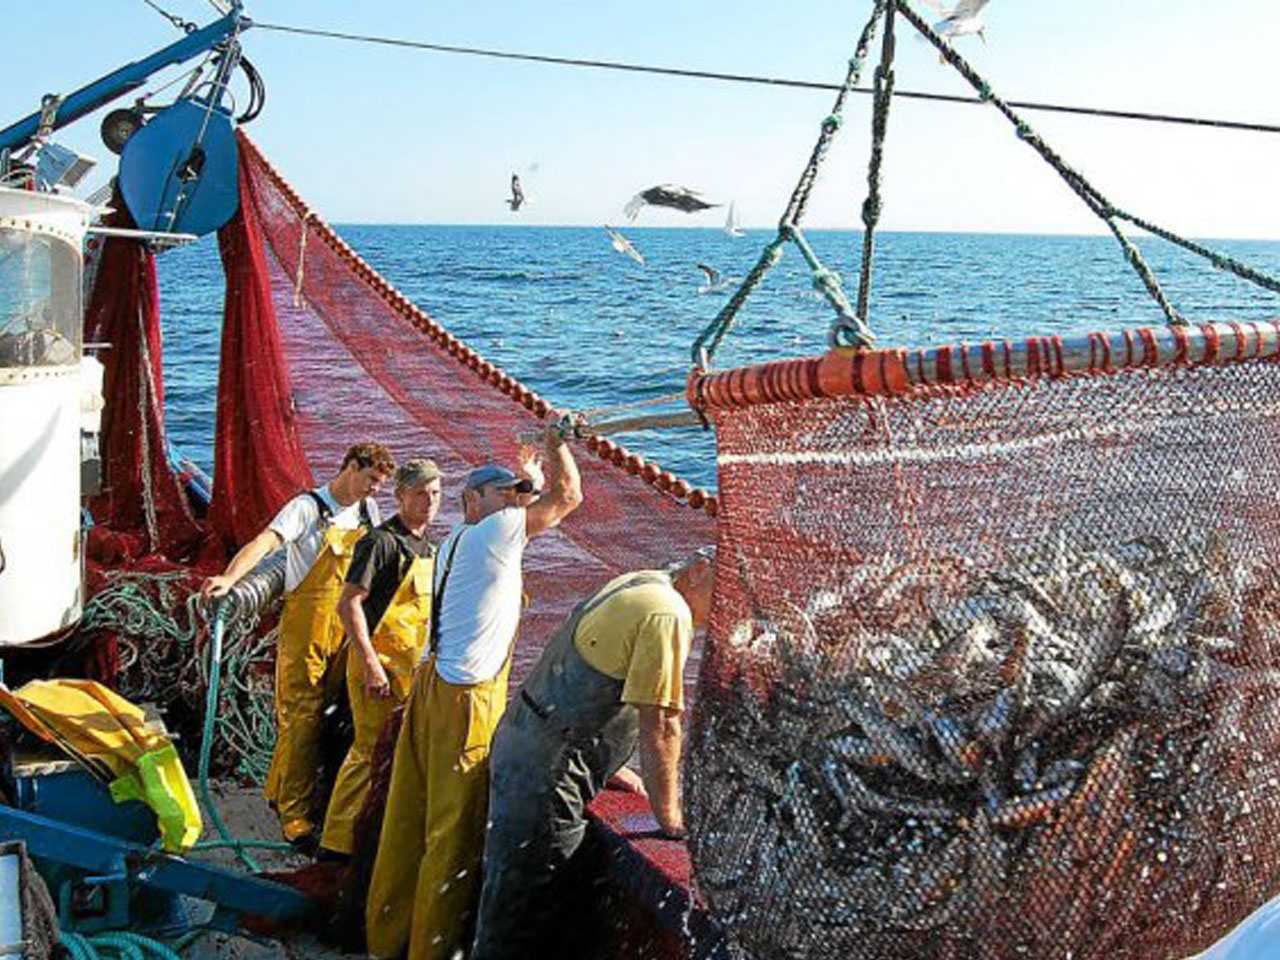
[517, 194]
[667, 195]
[623, 245]
[961, 20]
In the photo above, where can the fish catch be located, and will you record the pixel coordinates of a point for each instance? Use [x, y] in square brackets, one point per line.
[934, 761]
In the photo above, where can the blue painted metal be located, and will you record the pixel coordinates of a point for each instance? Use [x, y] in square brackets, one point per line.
[130, 77]
[178, 173]
[68, 794]
[98, 854]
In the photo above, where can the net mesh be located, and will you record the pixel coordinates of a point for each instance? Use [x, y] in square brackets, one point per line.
[364, 362]
[992, 667]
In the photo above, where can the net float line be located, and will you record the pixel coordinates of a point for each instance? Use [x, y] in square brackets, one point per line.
[900, 372]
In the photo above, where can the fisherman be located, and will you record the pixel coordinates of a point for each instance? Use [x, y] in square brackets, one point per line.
[610, 677]
[317, 528]
[385, 609]
[426, 876]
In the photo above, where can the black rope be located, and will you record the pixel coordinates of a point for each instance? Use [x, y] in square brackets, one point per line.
[186, 26]
[771, 81]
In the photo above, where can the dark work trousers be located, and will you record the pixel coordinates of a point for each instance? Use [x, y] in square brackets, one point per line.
[558, 743]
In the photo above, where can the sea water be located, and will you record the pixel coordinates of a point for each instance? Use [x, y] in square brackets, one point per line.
[588, 328]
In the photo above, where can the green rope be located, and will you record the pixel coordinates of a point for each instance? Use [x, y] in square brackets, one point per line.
[882, 96]
[708, 341]
[1092, 198]
[206, 742]
[114, 945]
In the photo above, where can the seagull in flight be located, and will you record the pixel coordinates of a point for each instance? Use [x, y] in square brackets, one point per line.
[963, 19]
[667, 195]
[516, 201]
[623, 245]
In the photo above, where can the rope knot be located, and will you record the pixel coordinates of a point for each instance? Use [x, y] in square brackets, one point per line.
[985, 93]
[831, 123]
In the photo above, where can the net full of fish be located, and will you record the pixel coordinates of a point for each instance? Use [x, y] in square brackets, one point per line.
[1071, 756]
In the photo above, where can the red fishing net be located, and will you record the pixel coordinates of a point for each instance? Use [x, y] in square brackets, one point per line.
[258, 458]
[140, 494]
[366, 363]
[992, 669]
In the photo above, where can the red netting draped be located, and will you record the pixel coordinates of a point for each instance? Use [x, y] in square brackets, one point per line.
[994, 671]
[367, 363]
[259, 462]
[141, 500]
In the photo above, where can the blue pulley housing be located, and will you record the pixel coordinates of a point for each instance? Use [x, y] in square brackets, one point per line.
[178, 174]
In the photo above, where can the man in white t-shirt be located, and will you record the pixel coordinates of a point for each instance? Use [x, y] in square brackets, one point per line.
[318, 529]
[426, 877]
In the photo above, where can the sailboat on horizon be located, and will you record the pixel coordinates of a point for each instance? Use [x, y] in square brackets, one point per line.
[731, 221]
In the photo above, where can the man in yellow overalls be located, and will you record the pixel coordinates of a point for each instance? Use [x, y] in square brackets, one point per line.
[385, 609]
[425, 879]
[318, 529]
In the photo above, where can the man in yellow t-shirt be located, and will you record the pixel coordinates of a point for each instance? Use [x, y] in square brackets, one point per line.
[611, 678]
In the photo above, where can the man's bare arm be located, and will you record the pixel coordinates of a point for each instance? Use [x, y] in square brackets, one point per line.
[245, 560]
[661, 733]
[563, 492]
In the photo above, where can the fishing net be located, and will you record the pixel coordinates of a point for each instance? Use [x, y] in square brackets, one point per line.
[364, 362]
[993, 664]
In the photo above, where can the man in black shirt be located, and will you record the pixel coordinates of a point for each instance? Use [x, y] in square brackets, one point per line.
[385, 608]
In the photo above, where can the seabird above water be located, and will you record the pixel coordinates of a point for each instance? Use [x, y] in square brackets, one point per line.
[623, 245]
[667, 195]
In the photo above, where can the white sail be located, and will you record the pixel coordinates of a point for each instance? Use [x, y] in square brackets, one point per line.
[731, 222]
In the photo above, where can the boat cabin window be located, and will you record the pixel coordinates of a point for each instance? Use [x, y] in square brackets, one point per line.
[40, 300]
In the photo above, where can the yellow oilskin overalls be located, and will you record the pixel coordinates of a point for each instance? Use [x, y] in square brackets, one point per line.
[426, 877]
[310, 662]
[398, 640]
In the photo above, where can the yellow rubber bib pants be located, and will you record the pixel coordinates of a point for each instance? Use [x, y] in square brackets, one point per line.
[398, 640]
[426, 877]
[309, 672]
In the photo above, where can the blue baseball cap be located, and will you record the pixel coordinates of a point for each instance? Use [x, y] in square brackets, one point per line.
[492, 475]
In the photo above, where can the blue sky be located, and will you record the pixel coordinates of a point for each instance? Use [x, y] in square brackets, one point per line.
[375, 134]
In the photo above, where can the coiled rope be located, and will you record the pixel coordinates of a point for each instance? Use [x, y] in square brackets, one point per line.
[115, 945]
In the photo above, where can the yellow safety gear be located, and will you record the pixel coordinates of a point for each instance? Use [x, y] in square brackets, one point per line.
[310, 666]
[115, 742]
[398, 640]
[425, 882]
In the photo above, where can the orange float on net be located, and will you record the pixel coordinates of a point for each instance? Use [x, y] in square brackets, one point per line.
[541, 407]
[605, 448]
[712, 506]
[635, 463]
[680, 489]
[649, 472]
[665, 480]
[620, 455]
[697, 497]
[592, 444]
